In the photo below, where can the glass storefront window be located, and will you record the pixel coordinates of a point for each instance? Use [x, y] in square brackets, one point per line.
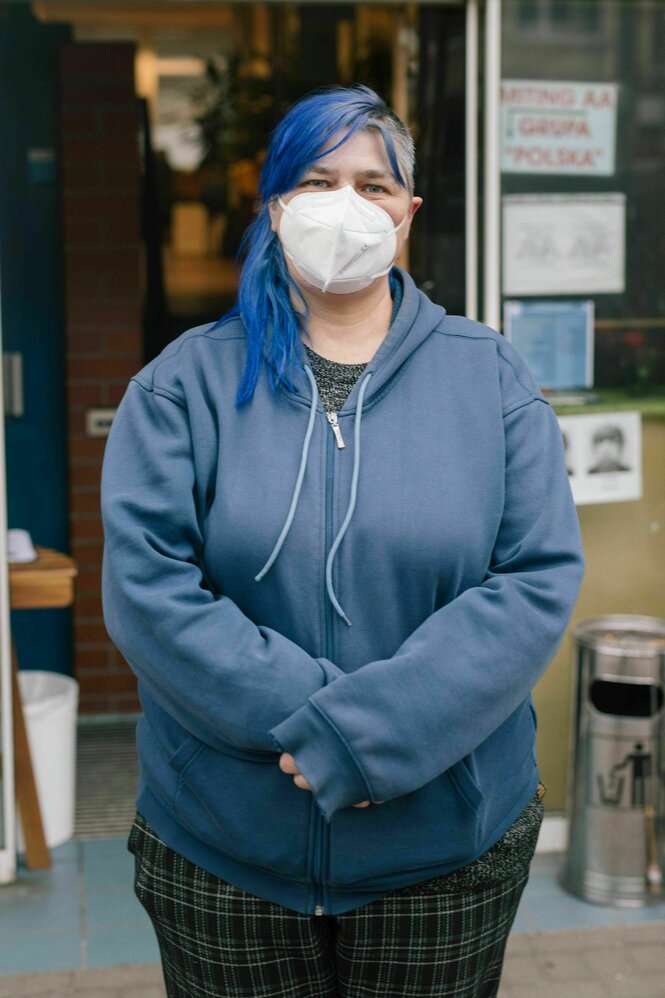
[569, 151]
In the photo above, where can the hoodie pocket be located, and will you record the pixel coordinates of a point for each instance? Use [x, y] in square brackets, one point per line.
[241, 803]
[439, 823]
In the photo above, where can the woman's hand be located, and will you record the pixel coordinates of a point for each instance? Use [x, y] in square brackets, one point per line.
[288, 764]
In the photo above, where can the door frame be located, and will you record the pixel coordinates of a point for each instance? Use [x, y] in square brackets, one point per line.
[483, 269]
[8, 828]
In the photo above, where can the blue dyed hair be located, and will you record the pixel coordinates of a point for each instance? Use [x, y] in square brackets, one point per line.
[264, 295]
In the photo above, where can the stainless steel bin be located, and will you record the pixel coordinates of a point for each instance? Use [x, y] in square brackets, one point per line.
[617, 762]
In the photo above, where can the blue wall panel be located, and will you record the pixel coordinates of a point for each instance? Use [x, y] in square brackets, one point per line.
[32, 311]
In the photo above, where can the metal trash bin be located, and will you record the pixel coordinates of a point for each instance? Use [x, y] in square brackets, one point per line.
[617, 762]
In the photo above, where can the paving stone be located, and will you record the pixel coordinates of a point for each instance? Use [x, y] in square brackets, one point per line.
[637, 986]
[608, 962]
[563, 966]
[520, 969]
[36, 985]
[560, 989]
[647, 958]
[135, 981]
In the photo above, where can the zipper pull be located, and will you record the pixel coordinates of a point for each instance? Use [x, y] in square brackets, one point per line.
[318, 909]
[332, 419]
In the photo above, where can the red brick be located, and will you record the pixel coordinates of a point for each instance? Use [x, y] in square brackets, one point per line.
[102, 148]
[84, 502]
[89, 659]
[83, 528]
[88, 606]
[85, 395]
[129, 284]
[84, 176]
[102, 260]
[75, 423]
[86, 448]
[99, 60]
[83, 228]
[101, 704]
[104, 205]
[88, 580]
[126, 341]
[84, 339]
[121, 682]
[78, 121]
[123, 227]
[92, 369]
[115, 392]
[88, 559]
[85, 474]
[89, 631]
[87, 282]
[121, 177]
[119, 121]
[97, 313]
[127, 704]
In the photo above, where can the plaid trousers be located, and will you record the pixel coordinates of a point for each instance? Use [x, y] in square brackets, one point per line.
[218, 941]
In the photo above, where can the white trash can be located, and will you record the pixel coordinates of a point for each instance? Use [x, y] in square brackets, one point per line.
[50, 704]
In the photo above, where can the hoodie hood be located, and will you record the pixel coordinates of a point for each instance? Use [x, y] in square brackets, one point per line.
[415, 321]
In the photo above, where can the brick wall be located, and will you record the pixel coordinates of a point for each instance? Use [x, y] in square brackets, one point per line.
[103, 277]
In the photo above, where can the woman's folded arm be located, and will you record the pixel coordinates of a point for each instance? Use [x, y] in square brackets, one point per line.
[221, 676]
[395, 724]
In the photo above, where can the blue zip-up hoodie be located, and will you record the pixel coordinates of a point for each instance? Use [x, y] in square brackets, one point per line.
[381, 611]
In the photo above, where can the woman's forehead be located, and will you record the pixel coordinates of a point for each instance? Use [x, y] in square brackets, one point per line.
[364, 148]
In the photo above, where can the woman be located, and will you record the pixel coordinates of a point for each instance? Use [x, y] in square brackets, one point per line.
[340, 549]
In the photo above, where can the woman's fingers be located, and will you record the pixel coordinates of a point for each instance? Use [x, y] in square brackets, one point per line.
[289, 765]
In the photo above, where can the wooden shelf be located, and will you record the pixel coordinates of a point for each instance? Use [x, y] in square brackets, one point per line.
[46, 582]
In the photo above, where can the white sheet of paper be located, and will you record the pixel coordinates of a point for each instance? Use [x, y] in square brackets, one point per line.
[603, 456]
[557, 244]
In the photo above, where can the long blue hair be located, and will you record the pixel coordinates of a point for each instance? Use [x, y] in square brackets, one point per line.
[264, 294]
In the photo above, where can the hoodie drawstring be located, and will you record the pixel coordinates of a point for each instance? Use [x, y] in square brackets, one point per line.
[352, 501]
[298, 486]
[301, 474]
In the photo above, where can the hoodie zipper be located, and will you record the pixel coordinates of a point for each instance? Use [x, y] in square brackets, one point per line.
[320, 831]
[332, 419]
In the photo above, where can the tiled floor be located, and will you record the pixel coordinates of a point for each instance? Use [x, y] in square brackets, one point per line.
[80, 913]
[83, 914]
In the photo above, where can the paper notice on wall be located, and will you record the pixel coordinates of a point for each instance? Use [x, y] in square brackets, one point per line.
[558, 244]
[603, 456]
[556, 127]
[554, 338]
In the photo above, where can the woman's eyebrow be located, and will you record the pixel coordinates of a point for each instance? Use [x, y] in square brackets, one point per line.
[375, 175]
[326, 171]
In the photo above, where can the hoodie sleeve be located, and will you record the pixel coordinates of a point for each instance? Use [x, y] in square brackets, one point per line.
[222, 677]
[395, 724]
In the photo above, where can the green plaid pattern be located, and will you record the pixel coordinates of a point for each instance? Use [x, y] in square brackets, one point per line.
[218, 941]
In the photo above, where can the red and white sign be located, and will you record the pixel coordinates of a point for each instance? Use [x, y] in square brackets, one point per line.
[555, 127]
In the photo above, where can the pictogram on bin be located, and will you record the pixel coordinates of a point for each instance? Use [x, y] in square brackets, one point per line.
[617, 762]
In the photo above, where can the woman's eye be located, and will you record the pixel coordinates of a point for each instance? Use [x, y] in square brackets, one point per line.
[314, 182]
[374, 189]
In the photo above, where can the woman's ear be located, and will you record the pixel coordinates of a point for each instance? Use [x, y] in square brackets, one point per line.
[415, 205]
[275, 212]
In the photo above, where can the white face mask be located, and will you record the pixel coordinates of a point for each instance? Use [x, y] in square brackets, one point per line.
[336, 240]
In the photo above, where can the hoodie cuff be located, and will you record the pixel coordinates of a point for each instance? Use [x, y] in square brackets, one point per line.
[323, 758]
[330, 670]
